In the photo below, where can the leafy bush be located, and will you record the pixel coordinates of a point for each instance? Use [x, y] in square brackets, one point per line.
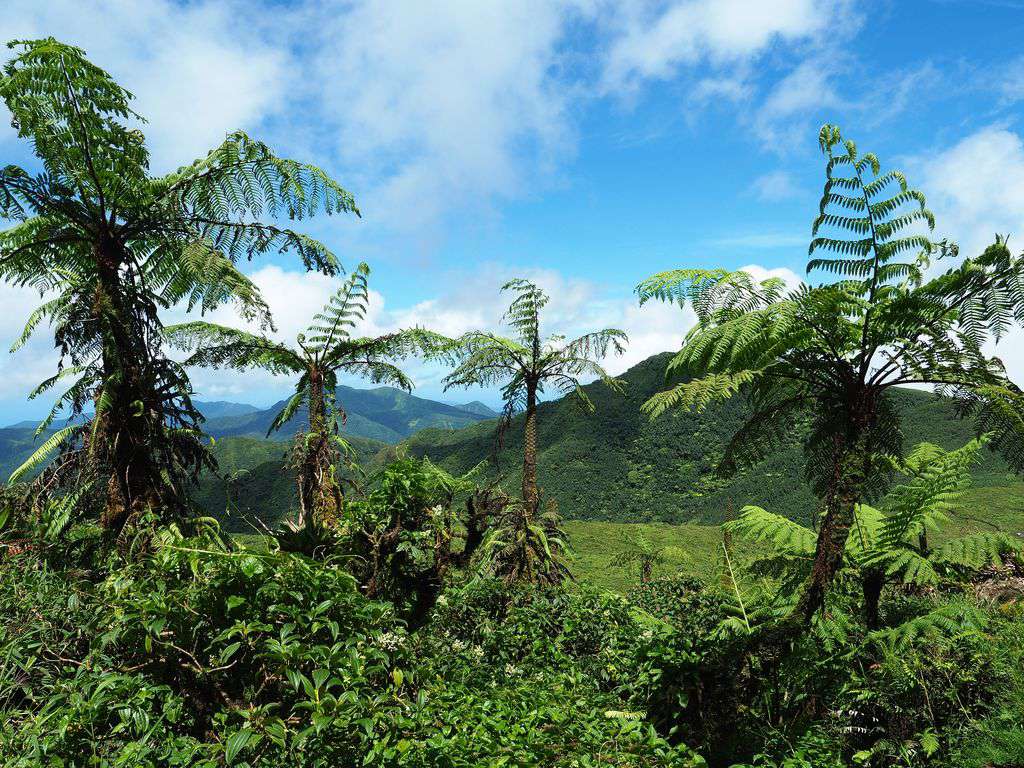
[207, 654]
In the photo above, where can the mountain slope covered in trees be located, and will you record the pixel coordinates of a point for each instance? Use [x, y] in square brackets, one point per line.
[618, 465]
[613, 465]
[384, 413]
[373, 416]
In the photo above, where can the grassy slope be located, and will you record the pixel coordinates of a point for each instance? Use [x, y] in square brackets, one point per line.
[696, 550]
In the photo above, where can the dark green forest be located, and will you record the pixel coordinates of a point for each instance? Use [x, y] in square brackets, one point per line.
[812, 509]
[613, 465]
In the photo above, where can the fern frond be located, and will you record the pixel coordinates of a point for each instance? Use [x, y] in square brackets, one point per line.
[43, 453]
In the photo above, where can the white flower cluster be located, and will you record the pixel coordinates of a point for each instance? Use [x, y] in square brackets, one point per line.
[389, 641]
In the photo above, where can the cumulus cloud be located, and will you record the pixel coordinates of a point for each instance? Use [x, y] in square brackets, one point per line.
[976, 188]
[22, 372]
[659, 40]
[445, 104]
[781, 120]
[788, 276]
[775, 186]
[197, 71]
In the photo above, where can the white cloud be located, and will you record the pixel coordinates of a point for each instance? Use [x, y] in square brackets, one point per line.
[21, 372]
[660, 40]
[1010, 82]
[788, 276]
[728, 88]
[198, 70]
[975, 188]
[775, 186]
[444, 105]
[781, 119]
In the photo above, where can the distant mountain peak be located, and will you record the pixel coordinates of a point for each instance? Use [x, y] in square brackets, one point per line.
[480, 409]
[382, 413]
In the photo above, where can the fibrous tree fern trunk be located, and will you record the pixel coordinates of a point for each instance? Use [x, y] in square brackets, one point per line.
[319, 492]
[852, 468]
[121, 432]
[531, 498]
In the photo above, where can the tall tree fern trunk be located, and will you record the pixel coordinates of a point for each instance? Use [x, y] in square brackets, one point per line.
[853, 465]
[530, 495]
[121, 444]
[319, 493]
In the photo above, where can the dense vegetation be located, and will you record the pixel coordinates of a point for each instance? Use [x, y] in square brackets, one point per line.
[618, 465]
[413, 615]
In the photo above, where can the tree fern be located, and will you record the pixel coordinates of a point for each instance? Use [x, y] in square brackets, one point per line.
[886, 544]
[117, 246]
[826, 356]
[323, 352]
[527, 362]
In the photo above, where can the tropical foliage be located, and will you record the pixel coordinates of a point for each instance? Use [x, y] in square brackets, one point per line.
[109, 246]
[891, 543]
[833, 352]
[325, 351]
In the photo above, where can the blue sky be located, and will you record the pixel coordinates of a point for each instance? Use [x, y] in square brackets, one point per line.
[583, 143]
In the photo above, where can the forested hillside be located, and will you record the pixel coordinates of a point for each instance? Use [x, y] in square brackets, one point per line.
[618, 465]
[373, 417]
[615, 464]
[385, 413]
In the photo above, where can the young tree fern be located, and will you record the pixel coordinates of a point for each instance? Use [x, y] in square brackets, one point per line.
[324, 351]
[889, 543]
[114, 245]
[527, 546]
[832, 352]
[526, 362]
[643, 554]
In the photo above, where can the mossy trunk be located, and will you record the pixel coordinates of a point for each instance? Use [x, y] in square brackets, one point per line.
[530, 495]
[122, 438]
[320, 495]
